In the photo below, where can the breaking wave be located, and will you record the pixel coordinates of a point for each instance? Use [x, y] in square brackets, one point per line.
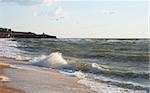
[98, 72]
[53, 60]
[84, 59]
[8, 48]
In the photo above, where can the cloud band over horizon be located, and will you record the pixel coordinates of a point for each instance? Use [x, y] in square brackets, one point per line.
[27, 2]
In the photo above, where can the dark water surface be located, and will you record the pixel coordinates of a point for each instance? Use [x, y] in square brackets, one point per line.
[124, 63]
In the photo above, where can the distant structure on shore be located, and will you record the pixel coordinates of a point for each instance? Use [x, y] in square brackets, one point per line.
[8, 33]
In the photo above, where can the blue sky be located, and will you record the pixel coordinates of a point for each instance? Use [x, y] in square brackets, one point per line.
[77, 19]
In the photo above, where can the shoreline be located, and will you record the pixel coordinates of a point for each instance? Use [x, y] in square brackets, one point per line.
[37, 80]
[4, 79]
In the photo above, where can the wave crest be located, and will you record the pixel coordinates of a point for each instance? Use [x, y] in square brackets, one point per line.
[53, 60]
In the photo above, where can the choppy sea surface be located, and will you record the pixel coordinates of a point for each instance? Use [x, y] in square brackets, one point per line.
[121, 63]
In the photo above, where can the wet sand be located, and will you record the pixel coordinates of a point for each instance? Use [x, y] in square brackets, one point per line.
[3, 87]
[7, 60]
[34, 79]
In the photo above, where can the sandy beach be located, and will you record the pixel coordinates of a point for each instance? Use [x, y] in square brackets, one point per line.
[3, 77]
[37, 80]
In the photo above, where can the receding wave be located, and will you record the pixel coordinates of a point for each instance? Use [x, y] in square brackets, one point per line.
[81, 69]
[8, 48]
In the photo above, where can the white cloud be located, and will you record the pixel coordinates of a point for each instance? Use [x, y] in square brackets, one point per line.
[28, 2]
[101, 0]
[41, 13]
[56, 14]
[109, 12]
[48, 2]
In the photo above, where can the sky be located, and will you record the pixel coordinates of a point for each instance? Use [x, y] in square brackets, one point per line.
[77, 18]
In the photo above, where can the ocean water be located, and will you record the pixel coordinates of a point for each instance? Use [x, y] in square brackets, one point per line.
[121, 63]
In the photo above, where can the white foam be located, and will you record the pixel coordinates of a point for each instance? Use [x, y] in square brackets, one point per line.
[94, 65]
[113, 40]
[19, 57]
[22, 57]
[78, 74]
[38, 59]
[8, 48]
[53, 60]
[16, 67]
[98, 87]
[100, 67]
[4, 79]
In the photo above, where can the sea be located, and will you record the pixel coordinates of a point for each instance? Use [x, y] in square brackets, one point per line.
[103, 65]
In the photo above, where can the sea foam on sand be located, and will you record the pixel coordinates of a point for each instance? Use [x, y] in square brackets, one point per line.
[78, 74]
[99, 87]
[4, 79]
